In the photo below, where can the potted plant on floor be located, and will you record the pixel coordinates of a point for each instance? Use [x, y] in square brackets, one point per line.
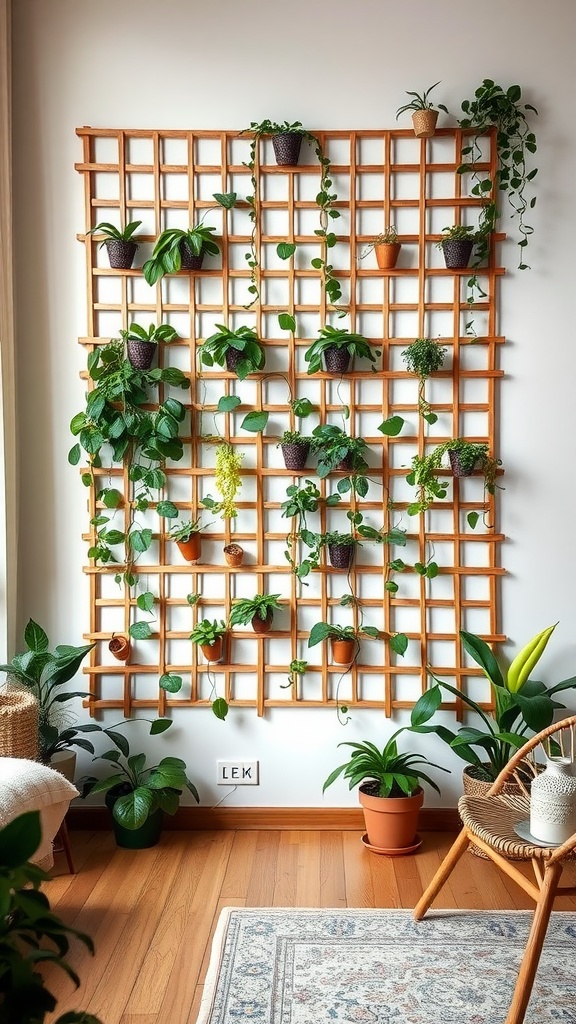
[120, 243]
[32, 934]
[240, 350]
[337, 346]
[141, 344]
[209, 636]
[345, 640]
[423, 358]
[188, 539]
[137, 795]
[44, 674]
[387, 248]
[390, 792]
[424, 116]
[341, 548]
[295, 449]
[456, 244]
[258, 611]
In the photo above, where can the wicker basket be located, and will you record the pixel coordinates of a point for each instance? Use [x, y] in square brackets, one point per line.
[478, 787]
[18, 725]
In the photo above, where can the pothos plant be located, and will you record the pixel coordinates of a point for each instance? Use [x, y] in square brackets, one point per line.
[301, 502]
[493, 106]
[325, 200]
[118, 427]
[430, 488]
[423, 358]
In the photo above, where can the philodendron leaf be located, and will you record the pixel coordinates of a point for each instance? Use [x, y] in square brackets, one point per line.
[285, 250]
[225, 199]
[220, 708]
[170, 683]
[160, 725]
[227, 403]
[473, 518]
[255, 421]
[74, 455]
[140, 631]
[392, 426]
[286, 322]
[399, 643]
[167, 509]
[145, 601]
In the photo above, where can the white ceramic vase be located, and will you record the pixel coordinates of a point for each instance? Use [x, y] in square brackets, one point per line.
[553, 802]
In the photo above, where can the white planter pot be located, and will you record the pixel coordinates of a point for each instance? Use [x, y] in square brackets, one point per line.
[64, 761]
[553, 802]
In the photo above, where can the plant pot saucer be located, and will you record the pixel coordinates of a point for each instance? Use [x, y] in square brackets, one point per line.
[398, 852]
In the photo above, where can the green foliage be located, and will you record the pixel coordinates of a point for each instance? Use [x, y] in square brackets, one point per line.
[331, 337]
[167, 254]
[424, 469]
[154, 334]
[493, 106]
[458, 233]
[119, 426]
[244, 340]
[184, 530]
[255, 421]
[420, 101]
[424, 357]
[387, 237]
[143, 789]
[293, 437]
[227, 480]
[30, 933]
[112, 233]
[392, 426]
[332, 445]
[261, 605]
[206, 632]
[336, 537]
[522, 707]
[396, 774]
[44, 673]
[301, 502]
[301, 407]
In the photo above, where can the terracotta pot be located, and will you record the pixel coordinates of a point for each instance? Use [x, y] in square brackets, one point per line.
[336, 360]
[343, 651]
[120, 253]
[190, 261]
[341, 555]
[140, 353]
[457, 252]
[119, 646]
[262, 625]
[287, 148]
[213, 652]
[233, 554]
[191, 549]
[64, 761]
[456, 463]
[424, 123]
[391, 822]
[387, 254]
[295, 454]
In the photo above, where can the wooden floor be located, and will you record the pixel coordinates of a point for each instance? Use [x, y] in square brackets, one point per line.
[152, 913]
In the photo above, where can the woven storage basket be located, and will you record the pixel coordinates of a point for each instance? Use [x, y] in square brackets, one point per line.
[18, 725]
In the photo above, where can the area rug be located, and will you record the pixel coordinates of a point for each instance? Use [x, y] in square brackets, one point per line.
[290, 966]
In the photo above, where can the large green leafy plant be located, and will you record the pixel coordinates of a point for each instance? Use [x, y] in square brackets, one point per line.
[392, 774]
[44, 673]
[243, 340]
[522, 706]
[119, 427]
[31, 935]
[167, 254]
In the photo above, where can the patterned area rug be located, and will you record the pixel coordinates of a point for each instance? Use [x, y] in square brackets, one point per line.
[287, 966]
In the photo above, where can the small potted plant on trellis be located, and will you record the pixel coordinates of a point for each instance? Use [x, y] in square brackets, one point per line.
[295, 449]
[121, 244]
[423, 358]
[344, 640]
[387, 248]
[341, 548]
[456, 244]
[210, 637]
[234, 554]
[240, 350]
[188, 539]
[258, 611]
[424, 115]
[337, 346]
[142, 344]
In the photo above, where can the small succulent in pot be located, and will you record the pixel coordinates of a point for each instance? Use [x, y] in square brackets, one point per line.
[240, 350]
[423, 358]
[258, 611]
[424, 116]
[120, 243]
[457, 243]
[141, 344]
[209, 636]
[295, 449]
[338, 346]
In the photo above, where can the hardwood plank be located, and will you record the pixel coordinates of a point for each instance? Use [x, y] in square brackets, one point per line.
[240, 865]
[263, 874]
[332, 879]
[357, 873]
[284, 894]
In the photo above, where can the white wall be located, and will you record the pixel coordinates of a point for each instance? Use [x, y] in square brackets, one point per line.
[344, 64]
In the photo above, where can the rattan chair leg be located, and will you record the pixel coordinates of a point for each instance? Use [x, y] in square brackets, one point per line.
[63, 838]
[444, 871]
[530, 960]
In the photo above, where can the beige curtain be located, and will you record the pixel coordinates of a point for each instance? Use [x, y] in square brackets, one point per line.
[8, 497]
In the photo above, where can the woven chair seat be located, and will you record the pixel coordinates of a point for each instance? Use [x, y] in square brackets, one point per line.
[493, 819]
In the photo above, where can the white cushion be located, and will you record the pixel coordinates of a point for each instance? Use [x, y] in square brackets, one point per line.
[31, 786]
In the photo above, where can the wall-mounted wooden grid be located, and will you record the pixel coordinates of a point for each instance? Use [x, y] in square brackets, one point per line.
[167, 178]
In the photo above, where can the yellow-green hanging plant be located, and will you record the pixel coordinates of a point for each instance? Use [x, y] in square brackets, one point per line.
[227, 479]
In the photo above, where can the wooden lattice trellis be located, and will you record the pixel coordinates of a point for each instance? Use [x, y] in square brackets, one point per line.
[167, 178]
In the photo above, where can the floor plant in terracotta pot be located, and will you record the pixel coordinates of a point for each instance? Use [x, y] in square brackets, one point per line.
[210, 636]
[121, 244]
[337, 347]
[424, 115]
[258, 611]
[142, 343]
[390, 792]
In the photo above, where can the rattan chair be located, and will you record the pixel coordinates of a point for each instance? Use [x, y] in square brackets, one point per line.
[490, 821]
